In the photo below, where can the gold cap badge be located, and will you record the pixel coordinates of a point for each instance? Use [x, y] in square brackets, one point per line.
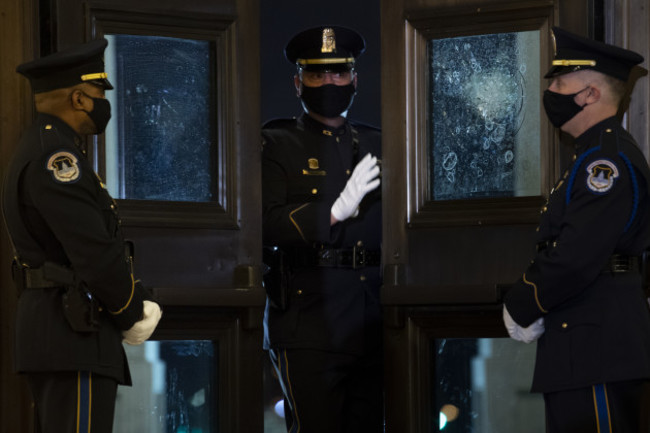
[329, 41]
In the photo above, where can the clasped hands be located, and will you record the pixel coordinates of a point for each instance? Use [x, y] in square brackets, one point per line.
[142, 329]
[519, 333]
[364, 179]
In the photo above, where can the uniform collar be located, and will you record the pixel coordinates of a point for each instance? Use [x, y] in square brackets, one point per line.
[591, 136]
[60, 125]
[315, 126]
[63, 128]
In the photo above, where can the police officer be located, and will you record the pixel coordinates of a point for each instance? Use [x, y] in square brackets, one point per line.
[322, 214]
[78, 296]
[582, 297]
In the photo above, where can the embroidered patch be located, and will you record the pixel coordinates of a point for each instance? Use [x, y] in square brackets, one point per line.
[602, 175]
[64, 167]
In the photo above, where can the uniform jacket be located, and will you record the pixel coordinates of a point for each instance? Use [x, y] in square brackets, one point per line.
[597, 323]
[305, 166]
[71, 220]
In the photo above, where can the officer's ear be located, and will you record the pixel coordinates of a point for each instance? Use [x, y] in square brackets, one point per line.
[593, 94]
[78, 100]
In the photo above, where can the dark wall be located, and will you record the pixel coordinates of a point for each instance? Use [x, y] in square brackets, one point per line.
[281, 19]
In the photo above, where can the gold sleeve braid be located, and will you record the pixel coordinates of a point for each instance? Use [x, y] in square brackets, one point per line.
[121, 310]
[535, 294]
[294, 221]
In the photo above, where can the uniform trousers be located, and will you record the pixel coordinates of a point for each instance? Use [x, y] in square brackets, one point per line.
[615, 407]
[328, 392]
[73, 402]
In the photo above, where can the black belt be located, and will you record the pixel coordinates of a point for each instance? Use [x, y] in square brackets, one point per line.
[356, 257]
[616, 263]
[47, 276]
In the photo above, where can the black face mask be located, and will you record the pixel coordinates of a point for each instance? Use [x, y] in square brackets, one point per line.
[100, 114]
[561, 108]
[329, 100]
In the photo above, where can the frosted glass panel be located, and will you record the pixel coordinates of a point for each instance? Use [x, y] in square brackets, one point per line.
[174, 388]
[159, 143]
[482, 386]
[484, 120]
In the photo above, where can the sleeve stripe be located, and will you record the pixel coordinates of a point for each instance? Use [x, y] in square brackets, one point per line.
[121, 310]
[294, 221]
[536, 296]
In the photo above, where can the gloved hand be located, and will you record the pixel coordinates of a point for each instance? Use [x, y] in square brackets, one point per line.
[363, 180]
[516, 332]
[142, 330]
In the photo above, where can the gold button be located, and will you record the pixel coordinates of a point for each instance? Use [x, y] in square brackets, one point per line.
[359, 243]
[608, 130]
[565, 325]
[299, 292]
[347, 172]
[574, 157]
[314, 191]
[338, 140]
[362, 278]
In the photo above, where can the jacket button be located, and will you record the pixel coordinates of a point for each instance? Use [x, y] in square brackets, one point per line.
[565, 325]
[314, 191]
[299, 292]
[362, 278]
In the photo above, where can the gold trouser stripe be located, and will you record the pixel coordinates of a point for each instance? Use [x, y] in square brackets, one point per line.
[609, 415]
[290, 389]
[535, 292]
[89, 402]
[294, 221]
[566, 62]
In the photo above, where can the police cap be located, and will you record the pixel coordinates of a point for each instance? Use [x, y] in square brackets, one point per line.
[575, 53]
[78, 64]
[325, 48]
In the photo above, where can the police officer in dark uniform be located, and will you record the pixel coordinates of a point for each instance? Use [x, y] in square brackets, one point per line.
[322, 237]
[582, 296]
[78, 298]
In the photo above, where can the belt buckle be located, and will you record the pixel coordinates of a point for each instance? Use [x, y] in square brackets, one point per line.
[358, 257]
[620, 264]
[326, 258]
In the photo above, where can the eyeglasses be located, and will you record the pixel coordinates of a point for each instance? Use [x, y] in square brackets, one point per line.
[318, 78]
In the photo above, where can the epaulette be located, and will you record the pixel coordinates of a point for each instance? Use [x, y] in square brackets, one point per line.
[279, 123]
[49, 136]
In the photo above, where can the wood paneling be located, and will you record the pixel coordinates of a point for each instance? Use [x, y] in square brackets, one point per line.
[17, 41]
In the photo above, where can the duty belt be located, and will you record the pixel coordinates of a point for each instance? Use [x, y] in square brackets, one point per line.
[356, 257]
[619, 263]
[47, 276]
[616, 263]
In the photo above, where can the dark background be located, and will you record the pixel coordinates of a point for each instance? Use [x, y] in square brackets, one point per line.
[281, 19]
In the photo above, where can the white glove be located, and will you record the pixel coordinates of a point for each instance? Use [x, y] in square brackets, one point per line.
[142, 330]
[363, 180]
[516, 332]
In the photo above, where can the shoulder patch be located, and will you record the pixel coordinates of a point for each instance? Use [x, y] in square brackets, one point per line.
[602, 175]
[64, 167]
